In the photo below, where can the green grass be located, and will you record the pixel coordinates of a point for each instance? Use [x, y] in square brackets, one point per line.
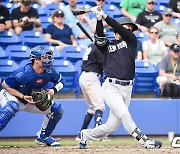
[72, 142]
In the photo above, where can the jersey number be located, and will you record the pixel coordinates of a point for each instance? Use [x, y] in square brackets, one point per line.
[87, 52]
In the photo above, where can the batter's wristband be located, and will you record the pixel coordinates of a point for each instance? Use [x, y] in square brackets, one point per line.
[55, 90]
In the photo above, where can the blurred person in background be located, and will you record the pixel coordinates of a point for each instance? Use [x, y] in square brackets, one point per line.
[169, 32]
[70, 19]
[131, 8]
[149, 17]
[169, 75]
[25, 17]
[5, 20]
[175, 6]
[154, 49]
[58, 33]
[90, 27]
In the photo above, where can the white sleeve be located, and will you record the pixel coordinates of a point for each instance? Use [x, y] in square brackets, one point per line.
[163, 47]
[145, 45]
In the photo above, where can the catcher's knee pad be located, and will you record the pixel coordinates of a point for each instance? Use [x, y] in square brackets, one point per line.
[57, 108]
[7, 112]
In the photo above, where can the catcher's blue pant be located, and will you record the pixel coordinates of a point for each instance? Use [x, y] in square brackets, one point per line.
[11, 105]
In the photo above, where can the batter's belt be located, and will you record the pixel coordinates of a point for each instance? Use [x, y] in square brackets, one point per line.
[120, 82]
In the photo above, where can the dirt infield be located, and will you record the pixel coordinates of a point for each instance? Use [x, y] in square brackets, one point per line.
[106, 148]
[112, 149]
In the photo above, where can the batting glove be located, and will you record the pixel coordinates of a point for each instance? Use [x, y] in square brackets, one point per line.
[97, 10]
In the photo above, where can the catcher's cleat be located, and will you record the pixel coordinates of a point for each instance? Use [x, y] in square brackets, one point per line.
[152, 144]
[47, 141]
[83, 140]
[56, 139]
[78, 137]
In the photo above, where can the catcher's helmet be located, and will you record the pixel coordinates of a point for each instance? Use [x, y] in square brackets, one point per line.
[126, 20]
[44, 54]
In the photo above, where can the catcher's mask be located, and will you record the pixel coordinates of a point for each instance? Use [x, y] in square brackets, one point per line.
[127, 20]
[44, 54]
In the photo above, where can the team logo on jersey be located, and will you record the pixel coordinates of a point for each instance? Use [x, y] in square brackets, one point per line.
[39, 81]
[113, 48]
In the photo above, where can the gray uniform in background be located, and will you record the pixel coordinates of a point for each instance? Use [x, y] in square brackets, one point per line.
[92, 68]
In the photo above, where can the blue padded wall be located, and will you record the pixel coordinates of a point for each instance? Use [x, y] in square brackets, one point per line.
[153, 117]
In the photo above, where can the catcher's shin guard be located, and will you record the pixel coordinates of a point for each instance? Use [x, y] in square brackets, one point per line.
[57, 113]
[7, 112]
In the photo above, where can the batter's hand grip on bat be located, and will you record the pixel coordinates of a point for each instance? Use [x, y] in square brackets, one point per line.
[79, 12]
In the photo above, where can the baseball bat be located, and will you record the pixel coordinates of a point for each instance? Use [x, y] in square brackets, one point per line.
[85, 32]
[79, 12]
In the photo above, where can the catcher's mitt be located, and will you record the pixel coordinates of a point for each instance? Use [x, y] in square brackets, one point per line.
[42, 98]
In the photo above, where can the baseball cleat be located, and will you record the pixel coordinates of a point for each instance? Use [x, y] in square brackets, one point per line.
[47, 141]
[105, 139]
[78, 137]
[152, 144]
[83, 140]
[56, 139]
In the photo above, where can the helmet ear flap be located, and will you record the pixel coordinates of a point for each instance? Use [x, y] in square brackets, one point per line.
[36, 52]
[32, 57]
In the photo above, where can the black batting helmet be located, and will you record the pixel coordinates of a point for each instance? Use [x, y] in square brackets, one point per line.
[126, 20]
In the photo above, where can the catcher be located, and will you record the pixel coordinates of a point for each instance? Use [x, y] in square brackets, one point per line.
[23, 90]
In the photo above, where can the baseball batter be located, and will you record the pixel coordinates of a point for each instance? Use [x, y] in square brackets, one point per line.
[16, 93]
[92, 68]
[119, 68]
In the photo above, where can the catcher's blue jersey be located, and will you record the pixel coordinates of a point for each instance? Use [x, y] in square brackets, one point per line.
[25, 79]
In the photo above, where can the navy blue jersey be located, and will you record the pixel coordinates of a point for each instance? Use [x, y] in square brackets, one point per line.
[148, 19]
[63, 35]
[4, 14]
[175, 5]
[120, 54]
[93, 60]
[18, 15]
[25, 79]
